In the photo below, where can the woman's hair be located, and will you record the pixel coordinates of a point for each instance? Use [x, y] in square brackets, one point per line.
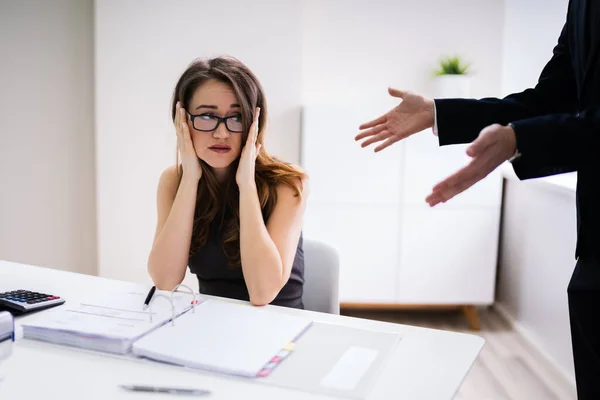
[217, 205]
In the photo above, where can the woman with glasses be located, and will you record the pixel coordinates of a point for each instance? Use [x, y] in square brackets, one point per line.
[227, 209]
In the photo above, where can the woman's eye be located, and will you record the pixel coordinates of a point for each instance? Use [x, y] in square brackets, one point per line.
[236, 118]
[206, 116]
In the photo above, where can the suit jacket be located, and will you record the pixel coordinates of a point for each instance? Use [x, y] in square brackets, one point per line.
[557, 122]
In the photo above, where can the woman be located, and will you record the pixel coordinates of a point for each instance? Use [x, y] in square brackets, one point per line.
[229, 211]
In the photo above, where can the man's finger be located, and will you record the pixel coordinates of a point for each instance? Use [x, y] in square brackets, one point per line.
[390, 141]
[460, 187]
[377, 138]
[456, 184]
[396, 93]
[467, 172]
[484, 141]
[434, 199]
[370, 132]
[375, 122]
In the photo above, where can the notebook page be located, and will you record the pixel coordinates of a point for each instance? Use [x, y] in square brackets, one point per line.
[222, 336]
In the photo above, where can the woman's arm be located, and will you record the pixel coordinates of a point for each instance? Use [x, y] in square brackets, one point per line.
[268, 250]
[168, 258]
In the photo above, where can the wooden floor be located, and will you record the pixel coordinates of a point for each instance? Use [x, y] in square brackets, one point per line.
[507, 367]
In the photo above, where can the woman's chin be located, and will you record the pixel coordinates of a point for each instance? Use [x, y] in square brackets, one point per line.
[218, 163]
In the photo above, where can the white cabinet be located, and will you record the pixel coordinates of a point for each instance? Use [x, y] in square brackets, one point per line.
[340, 171]
[367, 238]
[371, 206]
[448, 256]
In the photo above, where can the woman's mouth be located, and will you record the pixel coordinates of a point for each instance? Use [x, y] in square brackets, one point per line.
[220, 148]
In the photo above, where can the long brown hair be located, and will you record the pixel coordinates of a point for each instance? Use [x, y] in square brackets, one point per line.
[217, 205]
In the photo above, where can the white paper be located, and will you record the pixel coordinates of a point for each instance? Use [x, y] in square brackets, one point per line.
[109, 321]
[350, 368]
[115, 315]
[221, 336]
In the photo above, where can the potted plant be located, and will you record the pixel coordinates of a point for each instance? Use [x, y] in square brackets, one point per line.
[452, 77]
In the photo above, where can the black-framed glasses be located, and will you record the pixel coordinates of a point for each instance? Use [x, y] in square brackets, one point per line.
[207, 122]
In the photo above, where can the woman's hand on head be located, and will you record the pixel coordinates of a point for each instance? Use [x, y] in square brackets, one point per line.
[245, 175]
[185, 146]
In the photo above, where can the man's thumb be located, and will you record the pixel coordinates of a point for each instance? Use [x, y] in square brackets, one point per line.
[396, 92]
[475, 148]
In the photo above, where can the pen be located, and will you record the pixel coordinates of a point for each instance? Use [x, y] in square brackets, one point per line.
[149, 297]
[170, 390]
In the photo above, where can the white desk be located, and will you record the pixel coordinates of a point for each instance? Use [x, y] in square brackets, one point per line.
[427, 364]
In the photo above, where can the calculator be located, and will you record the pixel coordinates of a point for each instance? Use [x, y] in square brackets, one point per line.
[23, 301]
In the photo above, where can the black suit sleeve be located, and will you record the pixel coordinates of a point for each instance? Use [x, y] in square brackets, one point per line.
[556, 143]
[461, 120]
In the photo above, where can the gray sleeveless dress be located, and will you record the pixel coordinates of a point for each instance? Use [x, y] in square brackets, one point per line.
[215, 277]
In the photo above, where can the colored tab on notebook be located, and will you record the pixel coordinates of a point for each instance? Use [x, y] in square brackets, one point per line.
[276, 360]
[289, 346]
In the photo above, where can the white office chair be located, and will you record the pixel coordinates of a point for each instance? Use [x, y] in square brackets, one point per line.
[321, 277]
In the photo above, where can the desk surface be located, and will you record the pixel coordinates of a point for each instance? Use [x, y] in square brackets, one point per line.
[566, 182]
[427, 364]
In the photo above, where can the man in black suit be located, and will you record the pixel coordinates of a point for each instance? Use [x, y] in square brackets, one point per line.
[549, 129]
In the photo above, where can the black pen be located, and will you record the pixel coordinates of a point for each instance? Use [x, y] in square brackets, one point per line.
[149, 297]
[170, 390]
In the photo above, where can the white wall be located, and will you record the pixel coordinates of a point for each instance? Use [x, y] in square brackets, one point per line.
[140, 53]
[537, 257]
[302, 51]
[354, 49]
[531, 30]
[47, 206]
[371, 207]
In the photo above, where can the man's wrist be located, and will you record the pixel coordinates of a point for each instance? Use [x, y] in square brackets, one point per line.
[516, 153]
[434, 123]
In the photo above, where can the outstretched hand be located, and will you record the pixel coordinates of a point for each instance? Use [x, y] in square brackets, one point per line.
[495, 144]
[412, 115]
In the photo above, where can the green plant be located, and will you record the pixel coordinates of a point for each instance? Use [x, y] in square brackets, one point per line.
[452, 66]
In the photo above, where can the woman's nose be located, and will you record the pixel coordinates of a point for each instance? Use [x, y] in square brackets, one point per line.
[221, 131]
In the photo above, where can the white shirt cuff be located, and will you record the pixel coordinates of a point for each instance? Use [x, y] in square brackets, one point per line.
[435, 128]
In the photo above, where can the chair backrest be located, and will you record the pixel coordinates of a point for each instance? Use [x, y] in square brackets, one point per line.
[321, 277]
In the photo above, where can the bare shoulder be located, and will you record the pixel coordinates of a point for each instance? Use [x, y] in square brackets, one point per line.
[304, 182]
[286, 192]
[168, 182]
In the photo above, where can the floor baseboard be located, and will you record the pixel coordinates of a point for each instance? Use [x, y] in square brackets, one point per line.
[533, 341]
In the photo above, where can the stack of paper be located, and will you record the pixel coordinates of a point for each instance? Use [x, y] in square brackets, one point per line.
[224, 337]
[111, 323]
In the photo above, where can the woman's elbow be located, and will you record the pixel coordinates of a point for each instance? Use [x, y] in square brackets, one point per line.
[163, 281]
[263, 297]
[258, 302]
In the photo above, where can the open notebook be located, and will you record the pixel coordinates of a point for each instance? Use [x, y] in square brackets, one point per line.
[110, 322]
[226, 337]
[216, 335]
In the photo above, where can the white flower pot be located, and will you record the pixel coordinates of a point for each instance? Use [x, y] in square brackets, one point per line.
[452, 86]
